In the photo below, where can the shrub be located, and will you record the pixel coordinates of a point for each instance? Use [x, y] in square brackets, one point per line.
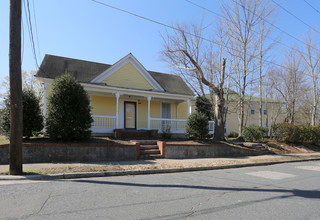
[254, 133]
[288, 133]
[233, 134]
[315, 135]
[166, 131]
[205, 106]
[32, 116]
[69, 115]
[197, 125]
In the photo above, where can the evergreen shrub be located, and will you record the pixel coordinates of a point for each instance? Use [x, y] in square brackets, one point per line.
[197, 125]
[32, 115]
[69, 116]
[254, 133]
[205, 106]
[233, 134]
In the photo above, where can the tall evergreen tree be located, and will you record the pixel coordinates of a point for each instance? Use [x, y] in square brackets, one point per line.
[69, 116]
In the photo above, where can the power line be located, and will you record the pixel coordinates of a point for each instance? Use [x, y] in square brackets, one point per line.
[312, 7]
[293, 15]
[283, 31]
[171, 27]
[29, 24]
[22, 41]
[217, 14]
[36, 27]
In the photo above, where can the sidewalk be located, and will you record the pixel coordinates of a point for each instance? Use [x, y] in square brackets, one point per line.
[138, 167]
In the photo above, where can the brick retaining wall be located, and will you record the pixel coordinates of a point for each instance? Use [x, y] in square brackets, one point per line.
[44, 153]
[177, 151]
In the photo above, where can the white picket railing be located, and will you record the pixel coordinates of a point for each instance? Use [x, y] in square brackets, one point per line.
[175, 125]
[211, 127]
[106, 124]
[103, 123]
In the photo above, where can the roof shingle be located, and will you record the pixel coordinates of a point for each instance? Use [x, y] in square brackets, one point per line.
[85, 71]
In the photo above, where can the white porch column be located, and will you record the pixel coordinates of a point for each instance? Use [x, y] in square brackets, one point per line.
[45, 100]
[149, 99]
[117, 111]
[44, 106]
[177, 114]
[189, 107]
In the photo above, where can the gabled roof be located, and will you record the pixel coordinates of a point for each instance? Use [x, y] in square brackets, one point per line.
[84, 71]
[89, 72]
[136, 64]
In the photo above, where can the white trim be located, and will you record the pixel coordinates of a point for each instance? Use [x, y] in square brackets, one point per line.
[137, 110]
[44, 106]
[121, 63]
[117, 109]
[149, 100]
[44, 100]
[103, 116]
[110, 89]
[177, 114]
[189, 108]
[168, 119]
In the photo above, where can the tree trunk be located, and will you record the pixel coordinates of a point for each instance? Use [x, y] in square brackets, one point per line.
[219, 117]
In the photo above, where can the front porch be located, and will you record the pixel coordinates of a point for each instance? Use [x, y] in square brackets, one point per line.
[138, 112]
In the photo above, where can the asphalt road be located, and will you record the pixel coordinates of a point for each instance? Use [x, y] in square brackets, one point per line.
[286, 191]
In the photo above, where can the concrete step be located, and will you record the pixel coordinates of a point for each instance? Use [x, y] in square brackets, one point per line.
[147, 147]
[149, 152]
[146, 142]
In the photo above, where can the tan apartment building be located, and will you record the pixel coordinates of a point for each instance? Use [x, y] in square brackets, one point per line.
[272, 112]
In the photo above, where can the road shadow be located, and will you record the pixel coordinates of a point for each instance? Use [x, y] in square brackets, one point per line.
[309, 194]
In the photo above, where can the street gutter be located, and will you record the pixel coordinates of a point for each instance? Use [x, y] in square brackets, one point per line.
[142, 172]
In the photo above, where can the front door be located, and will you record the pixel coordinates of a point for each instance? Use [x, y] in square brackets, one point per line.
[130, 115]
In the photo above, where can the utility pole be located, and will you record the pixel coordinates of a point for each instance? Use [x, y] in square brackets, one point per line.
[15, 149]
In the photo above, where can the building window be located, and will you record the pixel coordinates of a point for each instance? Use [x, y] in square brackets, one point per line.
[166, 114]
[265, 109]
[252, 109]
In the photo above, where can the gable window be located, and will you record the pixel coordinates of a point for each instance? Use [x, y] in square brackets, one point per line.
[264, 109]
[252, 109]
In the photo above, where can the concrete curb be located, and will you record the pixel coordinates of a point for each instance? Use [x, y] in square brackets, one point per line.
[142, 172]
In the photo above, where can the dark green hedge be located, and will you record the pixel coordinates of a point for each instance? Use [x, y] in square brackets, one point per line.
[290, 133]
[254, 133]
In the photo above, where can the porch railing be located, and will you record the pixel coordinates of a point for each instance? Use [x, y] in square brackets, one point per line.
[211, 127]
[174, 125]
[103, 122]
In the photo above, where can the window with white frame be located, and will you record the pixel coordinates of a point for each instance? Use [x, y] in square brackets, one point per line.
[265, 109]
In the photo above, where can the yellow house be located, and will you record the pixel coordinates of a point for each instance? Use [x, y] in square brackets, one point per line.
[124, 95]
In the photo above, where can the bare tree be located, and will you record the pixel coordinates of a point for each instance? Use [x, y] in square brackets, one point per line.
[242, 18]
[183, 49]
[311, 58]
[288, 82]
[28, 82]
[264, 31]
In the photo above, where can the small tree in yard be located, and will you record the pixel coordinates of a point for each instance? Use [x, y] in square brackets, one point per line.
[32, 116]
[205, 106]
[69, 115]
[197, 125]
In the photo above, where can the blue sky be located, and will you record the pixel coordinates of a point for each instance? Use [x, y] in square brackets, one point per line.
[83, 29]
